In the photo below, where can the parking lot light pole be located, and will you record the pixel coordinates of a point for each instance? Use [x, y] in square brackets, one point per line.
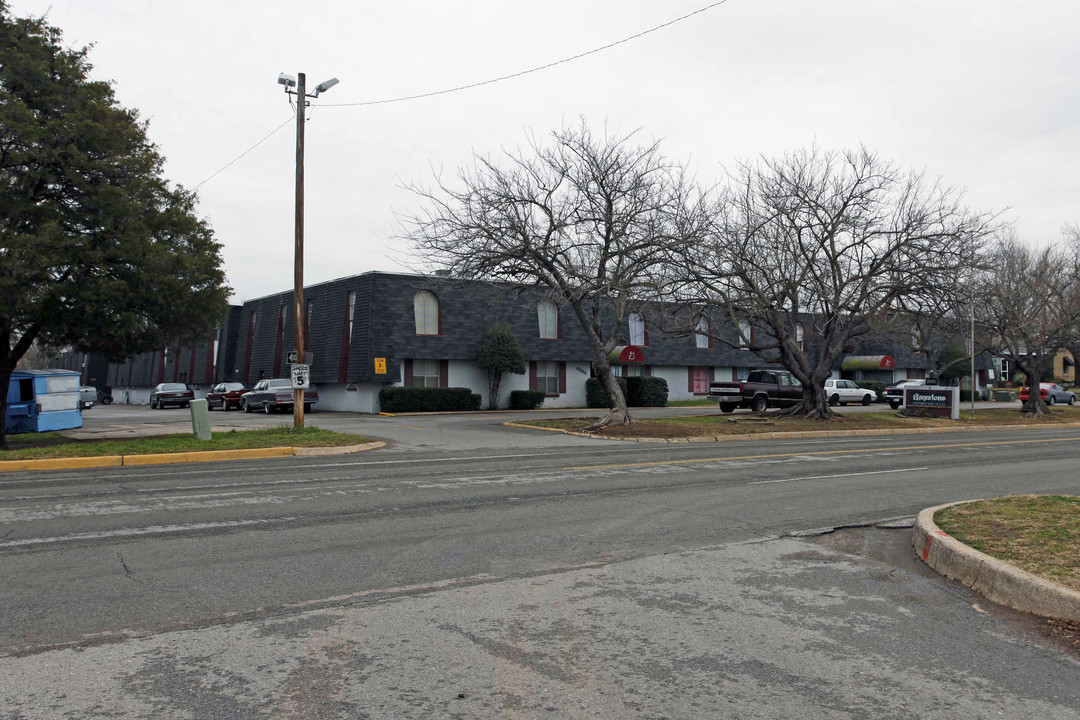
[298, 253]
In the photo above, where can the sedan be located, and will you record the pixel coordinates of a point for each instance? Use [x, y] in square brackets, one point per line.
[1051, 393]
[895, 393]
[841, 392]
[164, 394]
[225, 395]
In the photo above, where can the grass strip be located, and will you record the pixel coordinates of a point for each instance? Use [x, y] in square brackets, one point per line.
[747, 423]
[39, 446]
[1037, 533]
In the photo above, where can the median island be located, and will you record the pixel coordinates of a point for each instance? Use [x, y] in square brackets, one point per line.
[43, 446]
[704, 426]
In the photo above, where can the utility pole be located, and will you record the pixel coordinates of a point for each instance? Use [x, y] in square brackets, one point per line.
[298, 252]
[300, 83]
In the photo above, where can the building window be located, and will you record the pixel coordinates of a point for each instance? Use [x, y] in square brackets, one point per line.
[548, 315]
[547, 377]
[346, 339]
[308, 308]
[700, 377]
[638, 334]
[800, 336]
[702, 338]
[746, 334]
[1006, 371]
[426, 307]
[425, 373]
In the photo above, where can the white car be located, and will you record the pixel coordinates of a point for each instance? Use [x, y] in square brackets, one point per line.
[841, 392]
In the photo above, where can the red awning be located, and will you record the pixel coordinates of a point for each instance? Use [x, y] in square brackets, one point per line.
[626, 354]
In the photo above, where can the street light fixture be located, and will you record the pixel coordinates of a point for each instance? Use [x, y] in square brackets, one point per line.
[298, 256]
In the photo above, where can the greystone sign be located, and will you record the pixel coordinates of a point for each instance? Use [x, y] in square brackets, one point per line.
[938, 401]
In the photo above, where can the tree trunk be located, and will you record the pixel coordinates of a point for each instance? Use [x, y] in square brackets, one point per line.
[5, 382]
[813, 406]
[1034, 405]
[494, 382]
[617, 412]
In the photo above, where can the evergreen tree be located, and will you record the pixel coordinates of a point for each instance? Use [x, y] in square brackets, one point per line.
[499, 353]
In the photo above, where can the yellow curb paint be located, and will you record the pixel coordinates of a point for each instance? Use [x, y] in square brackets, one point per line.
[61, 463]
[820, 452]
[208, 456]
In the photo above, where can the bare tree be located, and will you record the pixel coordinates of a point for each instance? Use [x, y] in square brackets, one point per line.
[814, 245]
[1029, 308]
[589, 218]
[1071, 234]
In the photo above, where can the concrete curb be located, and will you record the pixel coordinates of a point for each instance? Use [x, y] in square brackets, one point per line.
[999, 581]
[794, 434]
[184, 457]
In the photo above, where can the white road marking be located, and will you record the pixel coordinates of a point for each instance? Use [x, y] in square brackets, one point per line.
[827, 477]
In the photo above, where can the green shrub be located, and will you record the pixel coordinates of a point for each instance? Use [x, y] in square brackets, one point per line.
[596, 396]
[874, 386]
[526, 399]
[427, 399]
[646, 392]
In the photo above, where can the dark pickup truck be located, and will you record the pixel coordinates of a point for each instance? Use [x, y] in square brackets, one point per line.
[761, 389]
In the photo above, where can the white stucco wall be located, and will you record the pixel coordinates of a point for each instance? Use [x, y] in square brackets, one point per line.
[336, 397]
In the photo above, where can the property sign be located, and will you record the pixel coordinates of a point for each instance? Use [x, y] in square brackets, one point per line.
[301, 376]
[380, 366]
[938, 401]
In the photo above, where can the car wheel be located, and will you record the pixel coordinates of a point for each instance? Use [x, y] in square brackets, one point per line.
[244, 406]
[1072, 399]
[759, 403]
[834, 400]
[184, 405]
[106, 400]
[866, 400]
[209, 406]
[727, 408]
[894, 404]
[266, 407]
[307, 407]
[154, 405]
[1050, 400]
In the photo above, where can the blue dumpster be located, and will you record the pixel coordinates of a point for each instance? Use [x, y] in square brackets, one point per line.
[42, 400]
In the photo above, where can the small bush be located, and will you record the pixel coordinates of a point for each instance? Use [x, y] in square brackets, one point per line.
[595, 396]
[427, 399]
[646, 392]
[873, 386]
[526, 399]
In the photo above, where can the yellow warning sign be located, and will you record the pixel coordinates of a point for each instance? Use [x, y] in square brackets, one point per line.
[380, 366]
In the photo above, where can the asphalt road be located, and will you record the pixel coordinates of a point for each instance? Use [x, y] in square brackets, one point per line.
[142, 567]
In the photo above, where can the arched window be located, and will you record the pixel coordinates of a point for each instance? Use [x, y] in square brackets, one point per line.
[637, 329]
[548, 313]
[702, 338]
[426, 306]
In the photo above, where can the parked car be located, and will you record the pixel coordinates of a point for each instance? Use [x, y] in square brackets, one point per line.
[895, 392]
[275, 394]
[163, 394]
[225, 395]
[87, 397]
[841, 392]
[1051, 393]
[761, 389]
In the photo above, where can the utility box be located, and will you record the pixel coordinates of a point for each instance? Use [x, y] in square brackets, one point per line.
[42, 400]
[200, 419]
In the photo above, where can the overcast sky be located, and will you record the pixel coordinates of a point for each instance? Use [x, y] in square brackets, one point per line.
[983, 95]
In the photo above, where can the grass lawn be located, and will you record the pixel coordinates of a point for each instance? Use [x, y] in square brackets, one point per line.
[1038, 533]
[37, 446]
[746, 423]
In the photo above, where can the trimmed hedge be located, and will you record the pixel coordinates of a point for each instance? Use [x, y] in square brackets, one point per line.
[427, 399]
[526, 399]
[595, 396]
[646, 391]
[638, 391]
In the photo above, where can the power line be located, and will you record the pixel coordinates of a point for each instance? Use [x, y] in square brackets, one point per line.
[231, 162]
[472, 85]
[531, 70]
